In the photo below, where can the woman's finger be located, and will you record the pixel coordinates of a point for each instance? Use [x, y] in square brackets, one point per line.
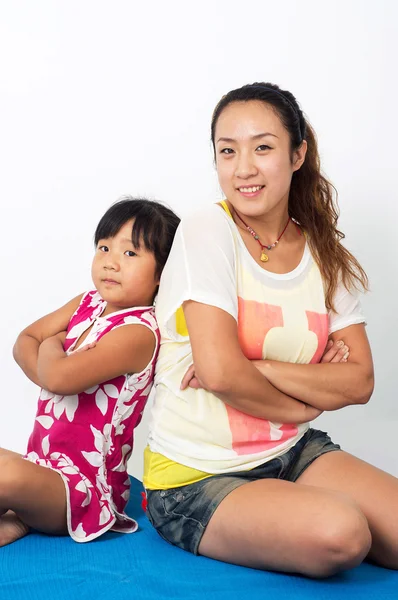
[340, 354]
[187, 377]
[194, 383]
[330, 351]
[335, 352]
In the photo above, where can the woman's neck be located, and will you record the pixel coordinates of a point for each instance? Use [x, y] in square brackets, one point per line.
[268, 227]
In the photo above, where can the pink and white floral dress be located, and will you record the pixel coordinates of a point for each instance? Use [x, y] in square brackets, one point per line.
[88, 437]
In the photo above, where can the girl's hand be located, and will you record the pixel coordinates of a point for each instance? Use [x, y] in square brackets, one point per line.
[335, 352]
[85, 347]
[190, 380]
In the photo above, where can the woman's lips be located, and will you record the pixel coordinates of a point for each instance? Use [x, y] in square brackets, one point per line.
[250, 192]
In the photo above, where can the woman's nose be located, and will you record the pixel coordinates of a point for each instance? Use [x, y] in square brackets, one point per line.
[245, 166]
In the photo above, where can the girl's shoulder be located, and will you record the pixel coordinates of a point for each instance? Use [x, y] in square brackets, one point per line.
[137, 315]
[91, 305]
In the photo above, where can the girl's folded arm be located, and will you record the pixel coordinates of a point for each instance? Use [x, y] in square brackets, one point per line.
[328, 386]
[26, 347]
[222, 368]
[126, 349]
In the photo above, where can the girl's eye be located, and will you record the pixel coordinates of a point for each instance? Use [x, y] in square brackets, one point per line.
[130, 253]
[103, 248]
[226, 151]
[263, 147]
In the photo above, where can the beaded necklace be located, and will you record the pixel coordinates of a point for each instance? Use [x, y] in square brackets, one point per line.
[264, 256]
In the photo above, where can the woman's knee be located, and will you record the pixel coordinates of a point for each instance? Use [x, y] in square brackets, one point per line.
[342, 542]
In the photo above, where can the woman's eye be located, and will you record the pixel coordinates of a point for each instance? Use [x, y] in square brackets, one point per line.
[226, 151]
[263, 147]
[130, 253]
[103, 248]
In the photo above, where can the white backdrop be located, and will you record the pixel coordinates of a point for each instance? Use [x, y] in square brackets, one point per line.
[100, 99]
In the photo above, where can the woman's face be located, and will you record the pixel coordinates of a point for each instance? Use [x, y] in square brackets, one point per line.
[253, 157]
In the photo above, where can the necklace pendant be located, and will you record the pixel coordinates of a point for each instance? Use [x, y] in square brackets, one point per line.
[264, 257]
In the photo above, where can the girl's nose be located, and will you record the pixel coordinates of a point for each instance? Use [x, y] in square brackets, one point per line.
[111, 263]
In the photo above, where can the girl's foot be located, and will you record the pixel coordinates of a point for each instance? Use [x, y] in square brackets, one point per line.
[11, 528]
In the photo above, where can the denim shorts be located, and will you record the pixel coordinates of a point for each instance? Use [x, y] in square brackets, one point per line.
[180, 515]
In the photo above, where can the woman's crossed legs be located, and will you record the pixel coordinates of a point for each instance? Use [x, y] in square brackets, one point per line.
[338, 512]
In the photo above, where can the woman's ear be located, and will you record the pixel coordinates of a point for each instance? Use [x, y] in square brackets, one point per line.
[299, 155]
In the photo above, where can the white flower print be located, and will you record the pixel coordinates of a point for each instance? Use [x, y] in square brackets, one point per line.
[126, 449]
[45, 445]
[96, 300]
[126, 495]
[101, 395]
[85, 486]
[59, 404]
[130, 320]
[45, 421]
[64, 464]
[103, 445]
[79, 532]
[142, 383]
[101, 324]
[76, 331]
[105, 514]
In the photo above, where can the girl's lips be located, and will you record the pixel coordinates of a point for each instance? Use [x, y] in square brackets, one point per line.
[110, 281]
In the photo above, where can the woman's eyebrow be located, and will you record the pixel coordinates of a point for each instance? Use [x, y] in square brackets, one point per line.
[254, 137]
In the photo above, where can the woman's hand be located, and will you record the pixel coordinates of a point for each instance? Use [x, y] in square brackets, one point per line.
[191, 380]
[335, 352]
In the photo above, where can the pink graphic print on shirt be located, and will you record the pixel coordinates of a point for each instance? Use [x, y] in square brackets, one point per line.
[319, 324]
[250, 434]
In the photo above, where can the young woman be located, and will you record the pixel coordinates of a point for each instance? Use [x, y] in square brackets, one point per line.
[262, 330]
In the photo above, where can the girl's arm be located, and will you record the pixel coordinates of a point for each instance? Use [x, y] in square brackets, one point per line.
[328, 386]
[221, 368]
[26, 347]
[126, 349]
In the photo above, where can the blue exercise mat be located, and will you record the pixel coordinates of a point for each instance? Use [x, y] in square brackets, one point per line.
[143, 566]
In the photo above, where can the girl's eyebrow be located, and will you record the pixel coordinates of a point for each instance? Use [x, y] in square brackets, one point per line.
[126, 240]
[254, 137]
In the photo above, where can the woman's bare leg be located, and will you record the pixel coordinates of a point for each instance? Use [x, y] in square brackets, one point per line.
[373, 490]
[30, 496]
[282, 526]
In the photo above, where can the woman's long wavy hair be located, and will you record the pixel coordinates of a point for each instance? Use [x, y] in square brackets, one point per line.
[312, 198]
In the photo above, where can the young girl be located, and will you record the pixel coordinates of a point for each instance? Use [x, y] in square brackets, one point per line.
[94, 359]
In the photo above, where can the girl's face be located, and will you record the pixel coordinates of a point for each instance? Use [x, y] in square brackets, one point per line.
[253, 157]
[123, 274]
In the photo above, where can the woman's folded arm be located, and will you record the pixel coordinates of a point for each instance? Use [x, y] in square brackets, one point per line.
[328, 386]
[221, 368]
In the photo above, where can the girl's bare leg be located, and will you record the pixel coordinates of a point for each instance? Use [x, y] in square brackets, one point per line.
[30, 496]
[282, 526]
[373, 490]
